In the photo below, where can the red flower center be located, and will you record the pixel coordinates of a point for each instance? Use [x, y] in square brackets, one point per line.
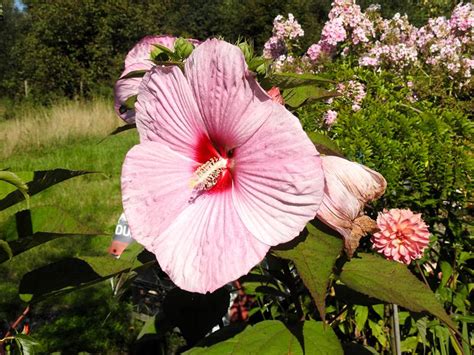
[214, 174]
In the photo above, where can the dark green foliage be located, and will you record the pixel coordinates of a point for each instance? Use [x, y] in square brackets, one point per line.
[92, 321]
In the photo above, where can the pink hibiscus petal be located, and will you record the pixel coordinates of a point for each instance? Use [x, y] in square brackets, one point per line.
[207, 246]
[279, 182]
[232, 104]
[140, 53]
[154, 189]
[123, 90]
[167, 112]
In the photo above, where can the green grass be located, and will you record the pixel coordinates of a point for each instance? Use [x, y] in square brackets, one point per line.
[94, 201]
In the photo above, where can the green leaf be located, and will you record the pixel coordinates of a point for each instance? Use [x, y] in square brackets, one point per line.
[123, 128]
[183, 48]
[21, 245]
[314, 256]
[297, 96]
[447, 271]
[162, 54]
[129, 104]
[247, 51]
[324, 144]
[69, 274]
[14, 180]
[361, 315]
[134, 74]
[292, 80]
[391, 282]
[148, 328]
[31, 228]
[379, 309]
[40, 180]
[274, 337]
[27, 344]
[377, 332]
[7, 253]
[409, 344]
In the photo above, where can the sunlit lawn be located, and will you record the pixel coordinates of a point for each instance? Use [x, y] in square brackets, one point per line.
[94, 201]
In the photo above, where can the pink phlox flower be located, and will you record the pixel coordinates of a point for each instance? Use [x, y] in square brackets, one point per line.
[287, 28]
[273, 48]
[403, 235]
[462, 18]
[334, 32]
[221, 174]
[314, 52]
[138, 59]
[330, 117]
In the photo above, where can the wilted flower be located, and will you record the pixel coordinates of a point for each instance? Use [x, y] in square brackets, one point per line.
[403, 235]
[349, 187]
[222, 172]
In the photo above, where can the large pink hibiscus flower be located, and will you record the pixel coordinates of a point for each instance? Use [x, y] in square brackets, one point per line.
[222, 172]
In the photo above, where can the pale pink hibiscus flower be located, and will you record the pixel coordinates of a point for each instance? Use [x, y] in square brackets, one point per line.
[138, 59]
[222, 172]
[403, 235]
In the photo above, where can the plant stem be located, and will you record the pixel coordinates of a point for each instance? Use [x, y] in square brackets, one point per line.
[422, 274]
[396, 331]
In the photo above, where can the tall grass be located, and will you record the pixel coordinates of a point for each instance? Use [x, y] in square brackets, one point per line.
[34, 128]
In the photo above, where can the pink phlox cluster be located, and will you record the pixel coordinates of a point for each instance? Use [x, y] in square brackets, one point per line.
[346, 22]
[274, 48]
[394, 45]
[284, 32]
[447, 45]
[287, 28]
[462, 18]
[334, 32]
[403, 235]
[354, 92]
[330, 117]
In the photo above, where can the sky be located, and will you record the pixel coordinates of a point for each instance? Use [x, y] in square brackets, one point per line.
[19, 5]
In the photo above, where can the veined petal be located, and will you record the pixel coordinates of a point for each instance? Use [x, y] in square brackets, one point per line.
[155, 191]
[279, 181]
[207, 246]
[167, 112]
[232, 104]
[349, 186]
[123, 90]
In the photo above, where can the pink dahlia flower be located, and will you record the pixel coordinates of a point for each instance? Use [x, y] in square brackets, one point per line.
[403, 235]
[222, 172]
[349, 186]
[138, 59]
